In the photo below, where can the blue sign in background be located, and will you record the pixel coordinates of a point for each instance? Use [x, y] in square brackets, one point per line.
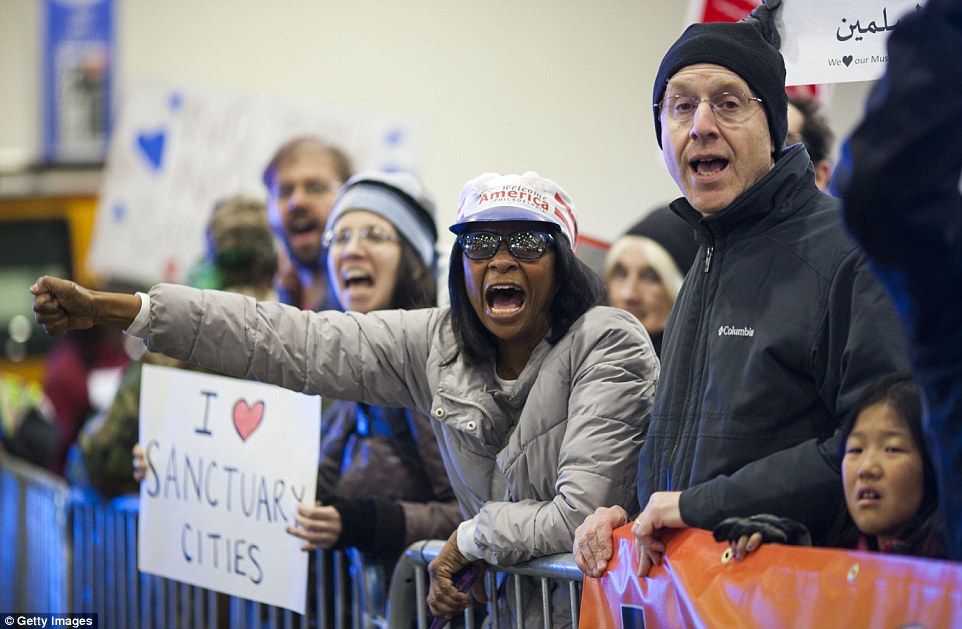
[78, 65]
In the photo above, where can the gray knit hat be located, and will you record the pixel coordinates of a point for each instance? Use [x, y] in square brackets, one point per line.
[397, 197]
[748, 48]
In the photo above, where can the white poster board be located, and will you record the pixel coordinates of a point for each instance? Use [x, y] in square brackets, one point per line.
[837, 41]
[175, 151]
[822, 42]
[228, 463]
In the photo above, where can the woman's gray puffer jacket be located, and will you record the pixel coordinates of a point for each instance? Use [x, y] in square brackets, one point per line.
[565, 438]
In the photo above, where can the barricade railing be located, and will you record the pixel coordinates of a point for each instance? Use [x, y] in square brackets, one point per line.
[407, 601]
[105, 580]
[698, 584]
[66, 550]
[34, 547]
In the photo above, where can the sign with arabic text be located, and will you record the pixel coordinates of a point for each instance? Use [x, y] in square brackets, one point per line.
[839, 41]
[228, 462]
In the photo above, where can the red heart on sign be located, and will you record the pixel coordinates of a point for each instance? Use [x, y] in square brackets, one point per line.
[247, 418]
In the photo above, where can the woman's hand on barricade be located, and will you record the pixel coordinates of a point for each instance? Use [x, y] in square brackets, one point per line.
[318, 525]
[593, 547]
[661, 512]
[139, 462]
[444, 598]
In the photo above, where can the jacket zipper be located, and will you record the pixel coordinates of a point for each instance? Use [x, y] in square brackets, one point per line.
[709, 250]
[467, 403]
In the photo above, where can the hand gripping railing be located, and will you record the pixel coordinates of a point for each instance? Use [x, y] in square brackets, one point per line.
[557, 577]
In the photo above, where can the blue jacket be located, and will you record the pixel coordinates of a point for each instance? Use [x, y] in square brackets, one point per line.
[779, 326]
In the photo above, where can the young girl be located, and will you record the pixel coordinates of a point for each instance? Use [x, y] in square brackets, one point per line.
[888, 483]
[887, 475]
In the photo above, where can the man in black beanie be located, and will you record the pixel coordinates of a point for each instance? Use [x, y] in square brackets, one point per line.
[779, 325]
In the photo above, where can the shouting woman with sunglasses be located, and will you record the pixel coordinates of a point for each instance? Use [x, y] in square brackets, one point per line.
[539, 396]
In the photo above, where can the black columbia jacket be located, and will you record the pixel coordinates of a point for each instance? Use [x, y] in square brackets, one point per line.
[779, 326]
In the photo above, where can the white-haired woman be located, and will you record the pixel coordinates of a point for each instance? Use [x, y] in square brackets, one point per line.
[645, 268]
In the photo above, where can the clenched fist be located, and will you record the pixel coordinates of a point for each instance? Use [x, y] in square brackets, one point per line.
[61, 305]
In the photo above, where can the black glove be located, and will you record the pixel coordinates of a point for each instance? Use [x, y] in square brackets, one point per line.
[369, 524]
[773, 529]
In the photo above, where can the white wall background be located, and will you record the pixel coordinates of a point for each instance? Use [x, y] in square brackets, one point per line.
[558, 86]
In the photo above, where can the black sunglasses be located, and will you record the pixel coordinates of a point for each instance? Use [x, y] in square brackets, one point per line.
[523, 245]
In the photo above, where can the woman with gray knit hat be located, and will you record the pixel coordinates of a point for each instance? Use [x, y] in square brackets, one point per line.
[539, 396]
[381, 483]
[645, 267]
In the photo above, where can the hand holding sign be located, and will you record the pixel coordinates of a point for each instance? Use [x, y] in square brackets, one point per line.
[215, 508]
[318, 525]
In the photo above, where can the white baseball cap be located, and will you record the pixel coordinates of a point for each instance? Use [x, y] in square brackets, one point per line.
[526, 197]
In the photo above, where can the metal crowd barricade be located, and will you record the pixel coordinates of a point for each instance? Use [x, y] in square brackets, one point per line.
[33, 538]
[65, 550]
[407, 601]
[105, 580]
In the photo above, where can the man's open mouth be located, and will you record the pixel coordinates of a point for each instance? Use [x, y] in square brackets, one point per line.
[709, 166]
[301, 220]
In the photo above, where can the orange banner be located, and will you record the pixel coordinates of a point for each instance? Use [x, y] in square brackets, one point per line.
[776, 586]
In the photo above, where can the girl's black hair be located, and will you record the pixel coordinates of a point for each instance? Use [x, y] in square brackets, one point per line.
[577, 287]
[923, 535]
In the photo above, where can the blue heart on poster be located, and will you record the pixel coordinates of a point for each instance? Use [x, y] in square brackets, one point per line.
[394, 137]
[151, 145]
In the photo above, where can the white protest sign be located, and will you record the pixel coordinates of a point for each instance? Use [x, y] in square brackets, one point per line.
[228, 463]
[175, 151]
[838, 41]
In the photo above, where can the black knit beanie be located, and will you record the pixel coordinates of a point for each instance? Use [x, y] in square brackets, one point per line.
[672, 233]
[742, 48]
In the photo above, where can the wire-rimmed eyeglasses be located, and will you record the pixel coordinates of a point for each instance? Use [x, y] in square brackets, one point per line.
[370, 235]
[728, 107]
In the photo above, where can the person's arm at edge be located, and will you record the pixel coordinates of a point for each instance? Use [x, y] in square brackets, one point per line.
[764, 487]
